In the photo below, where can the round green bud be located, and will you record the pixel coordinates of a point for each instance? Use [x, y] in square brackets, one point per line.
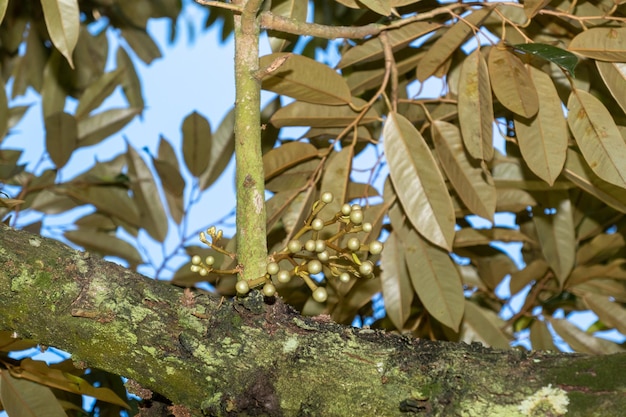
[209, 260]
[346, 209]
[195, 268]
[356, 216]
[272, 268]
[283, 276]
[269, 290]
[366, 268]
[317, 224]
[196, 260]
[344, 277]
[354, 244]
[367, 227]
[320, 295]
[203, 272]
[314, 267]
[294, 246]
[376, 247]
[320, 245]
[323, 256]
[327, 197]
[242, 287]
[310, 245]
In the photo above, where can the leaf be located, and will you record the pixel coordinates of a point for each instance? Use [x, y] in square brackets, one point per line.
[105, 244]
[97, 92]
[286, 156]
[3, 9]
[600, 248]
[469, 236]
[614, 76]
[395, 281]
[114, 201]
[300, 113]
[21, 398]
[543, 139]
[335, 180]
[555, 229]
[449, 42]
[63, 23]
[143, 45]
[372, 49]
[293, 9]
[173, 182]
[482, 325]
[52, 93]
[472, 184]
[222, 150]
[305, 79]
[4, 115]
[511, 82]
[196, 143]
[578, 171]
[607, 310]
[540, 336]
[604, 44]
[61, 137]
[293, 178]
[597, 136]
[476, 107]
[418, 183]
[130, 81]
[534, 271]
[580, 341]
[382, 7]
[146, 195]
[94, 129]
[560, 57]
[532, 7]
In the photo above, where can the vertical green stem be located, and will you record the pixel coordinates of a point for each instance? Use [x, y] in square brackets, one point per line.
[251, 230]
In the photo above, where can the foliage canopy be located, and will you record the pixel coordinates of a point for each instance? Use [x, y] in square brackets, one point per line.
[547, 77]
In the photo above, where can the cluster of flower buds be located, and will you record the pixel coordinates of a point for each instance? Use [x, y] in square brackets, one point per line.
[342, 256]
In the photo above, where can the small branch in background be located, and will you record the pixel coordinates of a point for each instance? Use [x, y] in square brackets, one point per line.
[221, 5]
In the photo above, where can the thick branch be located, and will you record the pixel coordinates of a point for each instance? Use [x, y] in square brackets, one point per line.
[248, 357]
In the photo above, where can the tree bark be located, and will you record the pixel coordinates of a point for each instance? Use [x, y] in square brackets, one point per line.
[255, 356]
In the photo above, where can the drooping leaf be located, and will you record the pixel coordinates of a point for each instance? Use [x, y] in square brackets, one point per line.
[104, 244]
[335, 180]
[382, 7]
[173, 183]
[61, 137]
[534, 271]
[472, 184]
[418, 183]
[293, 178]
[97, 92]
[305, 79]
[511, 82]
[300, 113]
[196, 143]
[146, 195]
[143, 45]
[222, 150]
[469, 236]
[114, 201]
[395, 281]
[597, 136]
[449, 42]
[286, 156]
[4, 115]
[543, 138]
[130, 81]
[614, 76]
[476, 107]
[293, 9]
[555, 229]
[581, 341]
[52, 93]
[540, 336]
[482, 325]
[532, 7]
[607, 310]
[604, 44]
[560, 57]
[3, 9]
[22, 398]
[63, 23]
[96, 128]
[600, 248]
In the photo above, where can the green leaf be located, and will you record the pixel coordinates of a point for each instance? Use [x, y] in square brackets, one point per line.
[336, 178]
[395, 281]
[130, 81]
[540, 336]
[61, 137]
[52, 93]
[94, 129]
[604, 44]
[472, 184]
[556, 233]
[482, 325]
[104, 244]
[4, 114]
[300, 113]
[196, 143]
[543, 139]
[607, 310]
[222, 150]
[63, 23]
[97, 92]
[382, 7]
[287, 156]
[143, 45]
[511, 82]
[173, 182]
[534, 271]
[418, 183]
[3, 9]
[294, 9]
[581, 341]
[22, 398]
[304, 79]
[560, 57]
[114, 201]
[476, 107]
[597, 136]
[449, 42]
[614, 76]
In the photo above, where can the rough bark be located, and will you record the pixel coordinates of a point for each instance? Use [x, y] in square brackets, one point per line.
[258, 357]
